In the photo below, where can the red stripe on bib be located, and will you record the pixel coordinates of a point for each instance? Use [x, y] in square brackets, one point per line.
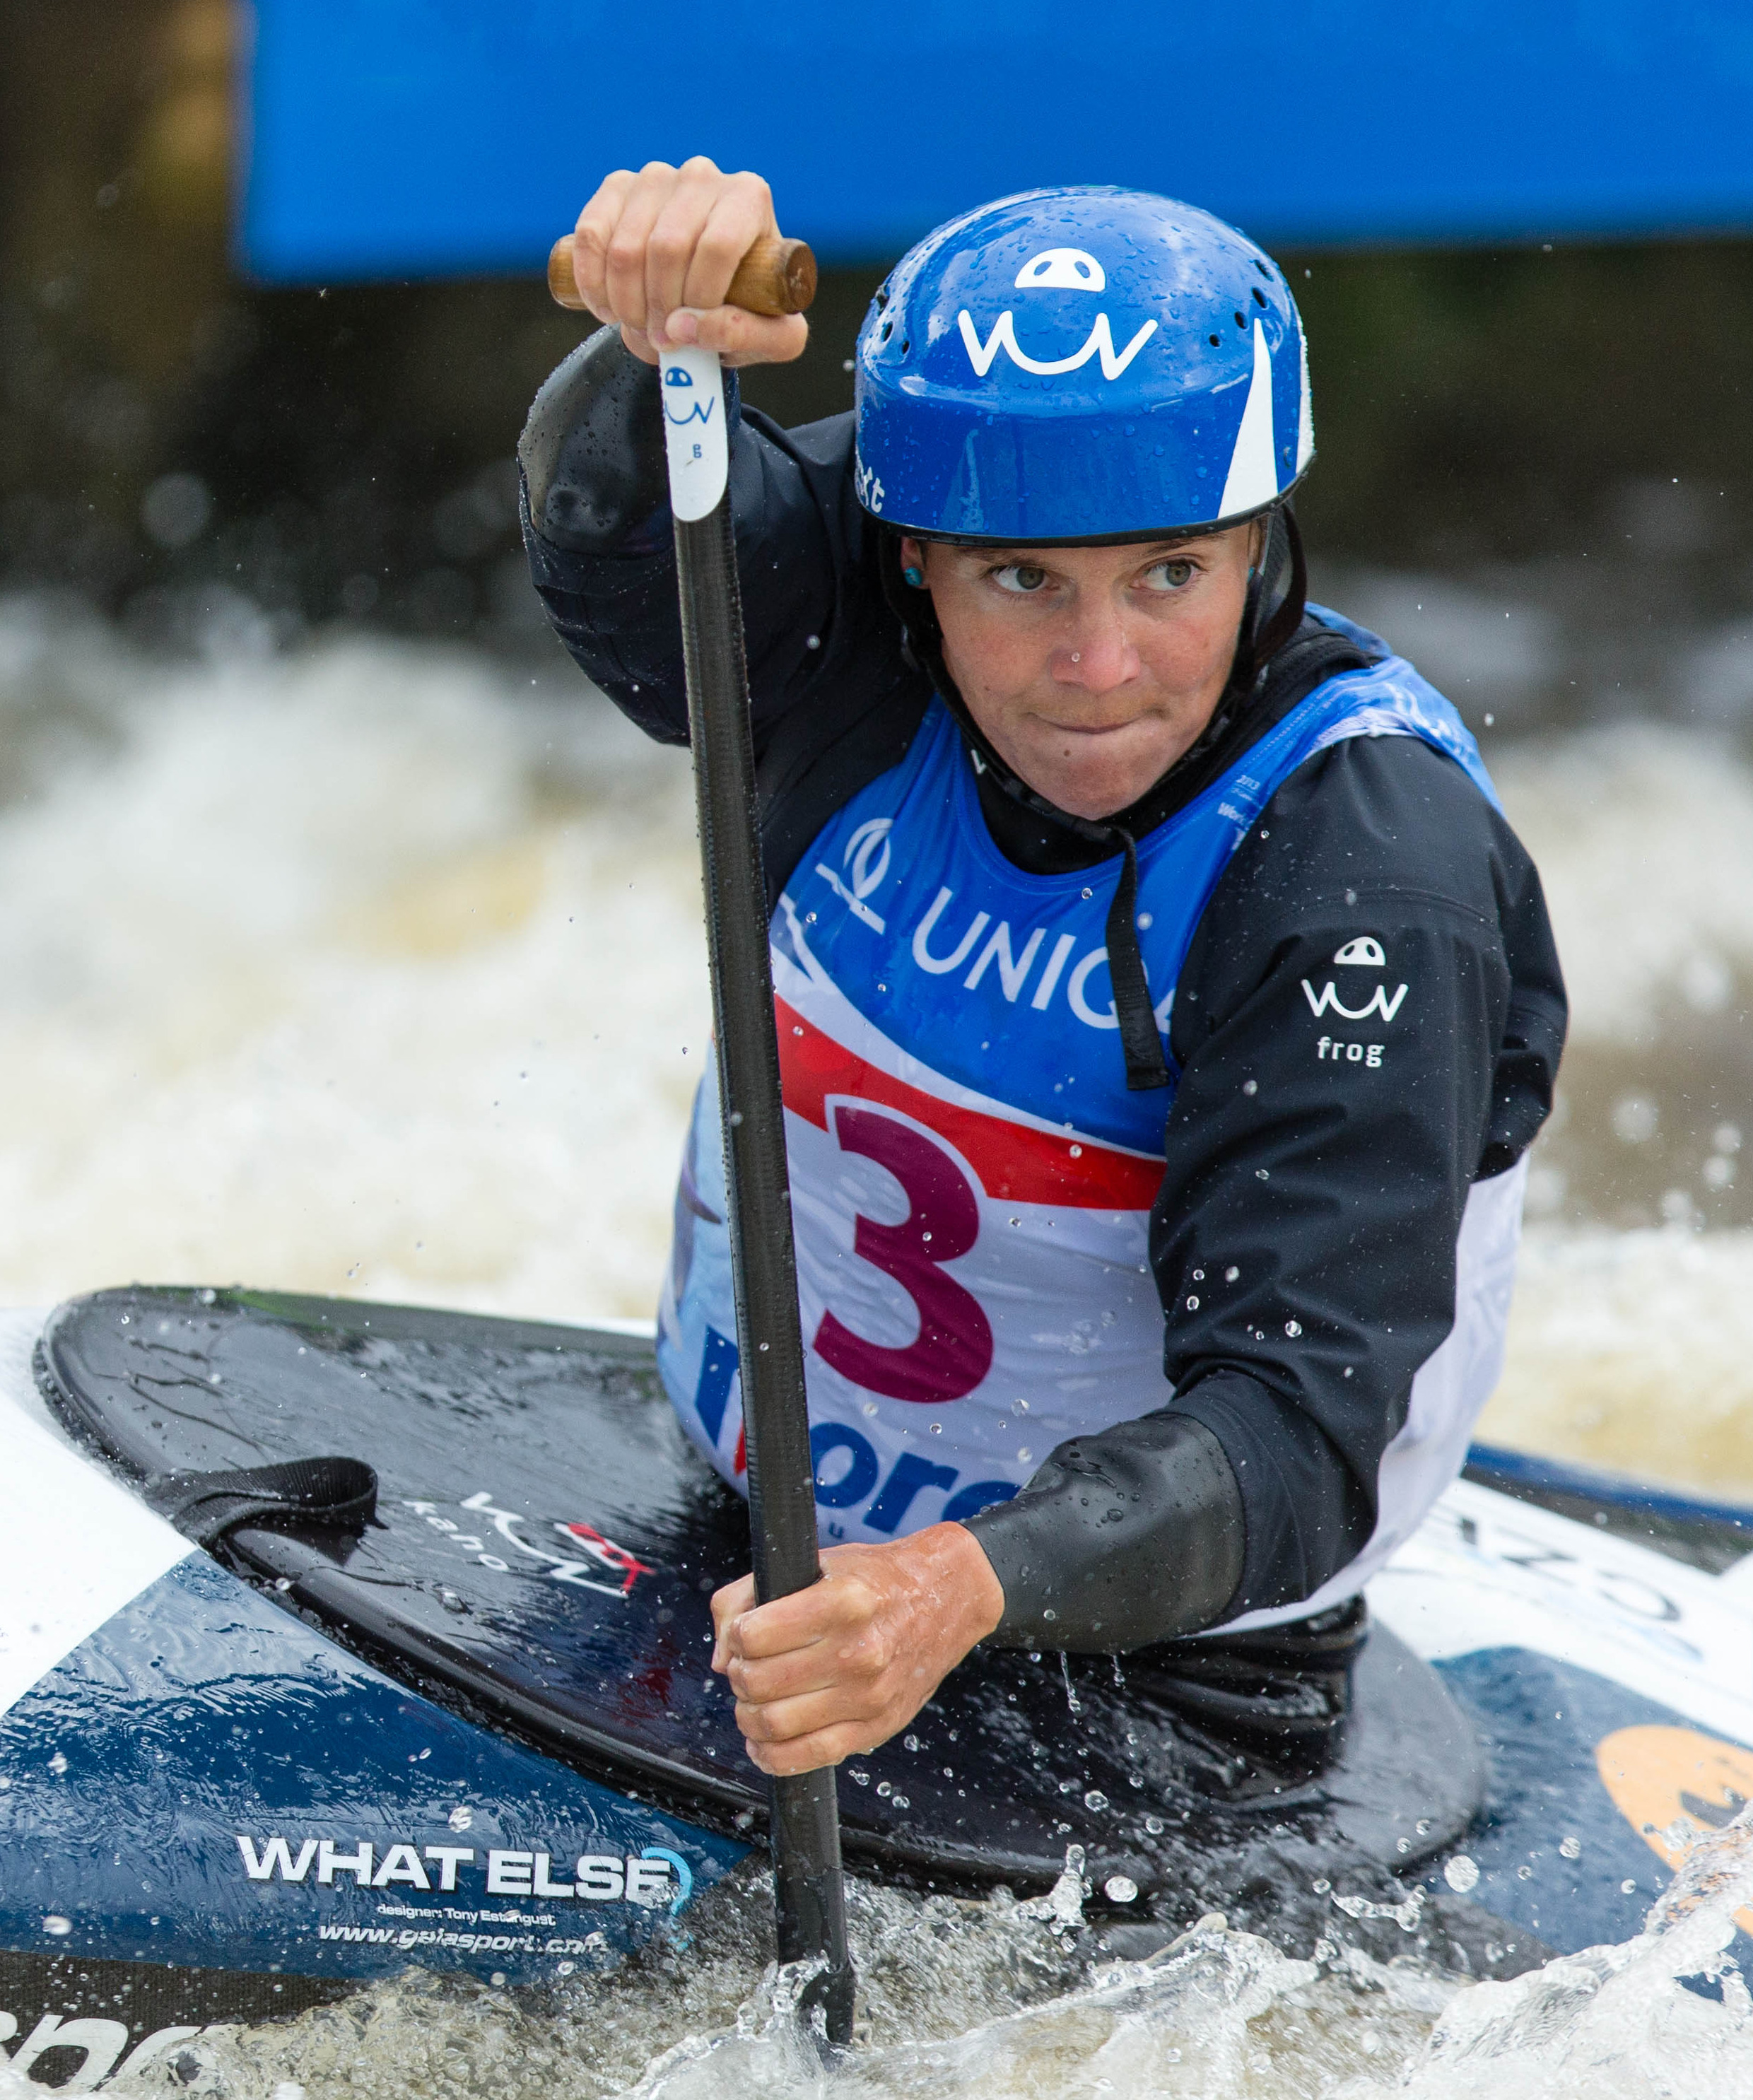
[1013, 1160]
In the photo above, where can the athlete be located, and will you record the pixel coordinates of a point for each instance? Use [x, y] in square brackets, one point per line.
[1165, 1006]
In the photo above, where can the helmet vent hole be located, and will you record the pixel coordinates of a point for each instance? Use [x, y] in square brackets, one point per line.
[1260, 297]
[1264, 271]
[905, 346]
[882, 298]
[888, 330]
[1214, 340]
[1241, 320]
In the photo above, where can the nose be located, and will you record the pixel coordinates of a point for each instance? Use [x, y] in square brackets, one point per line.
[1096, 653]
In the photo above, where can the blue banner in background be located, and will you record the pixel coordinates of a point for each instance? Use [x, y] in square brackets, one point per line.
[439, 138]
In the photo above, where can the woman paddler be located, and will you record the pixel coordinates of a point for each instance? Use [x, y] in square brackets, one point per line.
[1165, 1006]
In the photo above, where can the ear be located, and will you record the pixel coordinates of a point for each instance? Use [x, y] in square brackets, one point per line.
[1256, 544]
[913, 567]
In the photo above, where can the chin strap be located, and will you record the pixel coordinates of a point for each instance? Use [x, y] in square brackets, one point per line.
[1270, 618]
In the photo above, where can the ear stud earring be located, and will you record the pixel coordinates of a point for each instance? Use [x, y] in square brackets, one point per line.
[915, 576]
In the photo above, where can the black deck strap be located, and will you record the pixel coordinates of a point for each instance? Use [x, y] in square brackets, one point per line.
[330, 1494]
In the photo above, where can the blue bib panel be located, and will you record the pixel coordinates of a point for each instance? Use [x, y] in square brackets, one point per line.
[972, 1180]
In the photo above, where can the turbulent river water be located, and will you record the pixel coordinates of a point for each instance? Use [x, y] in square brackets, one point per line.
[370, 966]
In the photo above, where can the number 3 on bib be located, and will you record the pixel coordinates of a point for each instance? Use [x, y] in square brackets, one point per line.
[954, 1351]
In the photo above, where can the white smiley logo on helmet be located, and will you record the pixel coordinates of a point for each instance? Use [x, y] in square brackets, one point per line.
[1062, 269]
[1054, 270]
[1365, 953]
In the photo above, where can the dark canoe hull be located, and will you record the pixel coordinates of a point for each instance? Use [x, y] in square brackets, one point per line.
[477, 1731]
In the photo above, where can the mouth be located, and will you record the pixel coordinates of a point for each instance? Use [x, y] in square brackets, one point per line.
[1087, 730]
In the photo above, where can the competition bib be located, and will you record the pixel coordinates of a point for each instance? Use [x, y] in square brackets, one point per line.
[972, 1180]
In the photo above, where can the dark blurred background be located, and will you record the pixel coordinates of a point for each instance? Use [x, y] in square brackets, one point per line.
[171, 430]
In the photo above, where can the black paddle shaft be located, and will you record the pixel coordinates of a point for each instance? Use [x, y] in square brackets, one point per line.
[808, 1893]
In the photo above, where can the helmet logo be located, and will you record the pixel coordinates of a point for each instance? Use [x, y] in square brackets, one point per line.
[1062, 269]
[1053, 270]
[1004, 336]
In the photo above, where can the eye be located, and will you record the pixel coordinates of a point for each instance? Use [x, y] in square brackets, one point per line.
[1172, 576]
[1021, 578]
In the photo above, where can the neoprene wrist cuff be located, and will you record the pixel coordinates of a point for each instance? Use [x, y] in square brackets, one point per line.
[1133, 1536]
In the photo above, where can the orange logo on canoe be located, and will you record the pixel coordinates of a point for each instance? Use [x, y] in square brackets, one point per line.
[1674, 1786]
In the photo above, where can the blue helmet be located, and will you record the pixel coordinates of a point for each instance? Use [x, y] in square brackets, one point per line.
[1081, 365]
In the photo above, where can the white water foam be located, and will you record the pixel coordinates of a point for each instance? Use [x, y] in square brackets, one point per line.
[1010, 2001]
[369, 970]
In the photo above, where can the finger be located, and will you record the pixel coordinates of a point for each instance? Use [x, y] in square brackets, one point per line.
[641, 345]
[624, 259]
[826, 1611]
[591, 236]
[735, 1598]
[742, 211]
[741, 337]
[675, 234]
[872, 1717]
[828, 1746]
[855, 1663]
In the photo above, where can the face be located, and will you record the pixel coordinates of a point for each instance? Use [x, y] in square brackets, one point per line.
[1090, 669]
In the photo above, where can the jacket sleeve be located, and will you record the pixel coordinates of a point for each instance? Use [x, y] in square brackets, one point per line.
[1303, 1242]
[597, 528]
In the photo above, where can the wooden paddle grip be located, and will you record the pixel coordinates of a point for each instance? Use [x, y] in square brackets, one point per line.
[776, 277]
